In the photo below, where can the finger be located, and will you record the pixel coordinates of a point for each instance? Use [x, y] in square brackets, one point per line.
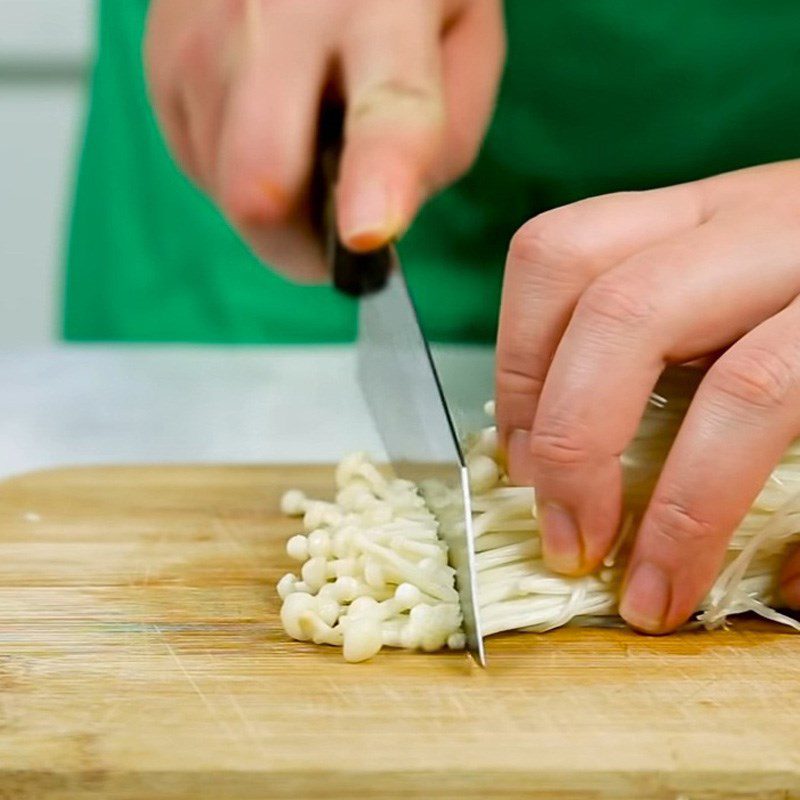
[395, 118]
[202, 96]
[292, 248]
[742, 419]
[169, 104]
[688, 296]
[267, 139]
[552, 259]
[169, 65]
[473, 54]
[790, 580]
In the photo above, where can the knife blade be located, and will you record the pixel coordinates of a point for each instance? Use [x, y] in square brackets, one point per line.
[399, 381]
[398, 377]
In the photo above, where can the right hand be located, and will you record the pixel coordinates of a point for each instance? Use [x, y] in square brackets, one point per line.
[237, 85]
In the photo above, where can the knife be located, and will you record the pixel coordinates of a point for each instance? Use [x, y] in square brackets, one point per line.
[399, 380]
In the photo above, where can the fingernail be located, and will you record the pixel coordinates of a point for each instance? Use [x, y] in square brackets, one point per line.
[646, 598]
[790, 590]
[369, 219]
[561, 539]
[259, 202]
[277, 201]
[519, 458]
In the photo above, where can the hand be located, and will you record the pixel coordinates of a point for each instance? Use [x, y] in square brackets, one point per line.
[599, 297]
[237, 85]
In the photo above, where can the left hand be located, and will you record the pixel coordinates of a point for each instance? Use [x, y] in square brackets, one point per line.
[599, 297]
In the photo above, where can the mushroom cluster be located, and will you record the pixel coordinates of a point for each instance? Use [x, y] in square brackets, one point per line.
[374, 569]
[517, 591]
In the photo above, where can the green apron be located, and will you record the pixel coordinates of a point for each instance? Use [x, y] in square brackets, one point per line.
[598, 96]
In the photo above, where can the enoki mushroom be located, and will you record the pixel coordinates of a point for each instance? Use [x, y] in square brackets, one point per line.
[374, 569]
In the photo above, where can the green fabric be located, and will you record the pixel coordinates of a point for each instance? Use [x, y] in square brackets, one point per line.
[599, 95]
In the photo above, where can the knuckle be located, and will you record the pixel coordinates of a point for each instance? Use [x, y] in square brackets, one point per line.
[520, 373]
[408, 101]
[760, 379]
[677, 526]
[617, 302]
[243, 206]
[559, 444]
[510, 381]
[547, 242]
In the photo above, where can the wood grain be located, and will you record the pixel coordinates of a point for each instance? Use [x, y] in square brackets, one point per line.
[141, 656]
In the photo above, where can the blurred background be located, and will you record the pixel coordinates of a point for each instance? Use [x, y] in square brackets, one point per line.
[45, 50]
[88, 403]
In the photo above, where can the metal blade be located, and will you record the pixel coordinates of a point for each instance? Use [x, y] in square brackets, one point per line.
[402, 389]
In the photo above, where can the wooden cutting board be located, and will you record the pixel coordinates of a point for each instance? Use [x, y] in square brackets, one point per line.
[141, 656]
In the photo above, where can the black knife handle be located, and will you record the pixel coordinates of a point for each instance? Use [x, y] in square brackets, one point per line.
[354, 274]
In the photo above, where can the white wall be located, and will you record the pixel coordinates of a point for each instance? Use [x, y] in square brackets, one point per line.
[45, 46]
